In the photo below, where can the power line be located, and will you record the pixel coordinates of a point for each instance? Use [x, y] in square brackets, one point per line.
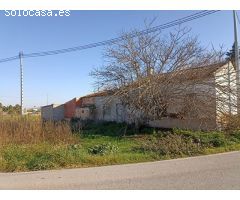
[9, 59]
[117, 39]
[114, 40]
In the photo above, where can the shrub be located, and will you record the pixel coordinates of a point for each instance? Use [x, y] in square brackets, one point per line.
[171, 144]
[234, 136]
[206, 139]
[39, 156]
[104, 128]
[14, 157]
[103, 149]
[41, 161]
[215, 139]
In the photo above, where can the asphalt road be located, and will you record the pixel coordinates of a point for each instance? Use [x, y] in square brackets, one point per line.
[220, 171]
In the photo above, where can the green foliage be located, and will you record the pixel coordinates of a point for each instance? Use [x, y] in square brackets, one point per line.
[236, 134]
[171, 144]
[110, 129]
[103, 149]
[234, 137]
[41, 161]
[14, 157]
[96, 149]
[10, 109]
[104, 128]
[206, 139]
[186, 142]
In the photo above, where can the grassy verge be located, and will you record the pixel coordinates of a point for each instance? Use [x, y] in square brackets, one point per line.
[100, 145]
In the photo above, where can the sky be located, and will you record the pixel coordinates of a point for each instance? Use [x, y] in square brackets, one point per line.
[59, 78]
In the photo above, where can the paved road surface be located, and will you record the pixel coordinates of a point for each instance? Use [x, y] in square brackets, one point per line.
[220, 171]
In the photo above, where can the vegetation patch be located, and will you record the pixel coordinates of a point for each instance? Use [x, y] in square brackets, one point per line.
[56, 147]
[171, 144]
[103, 149]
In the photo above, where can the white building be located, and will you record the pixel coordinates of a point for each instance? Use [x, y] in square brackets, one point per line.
[212, 87]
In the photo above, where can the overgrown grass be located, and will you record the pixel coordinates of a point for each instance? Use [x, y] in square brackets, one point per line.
[53, 146]
[47, 156]
[31, 130]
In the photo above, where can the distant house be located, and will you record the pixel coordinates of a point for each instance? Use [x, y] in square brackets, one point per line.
[102, 106]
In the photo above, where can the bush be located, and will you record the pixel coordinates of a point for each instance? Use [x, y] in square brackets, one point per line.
[206, 139]
[104, 128]
[41, 161]
[234, 136]
[14, 157]
[39, 156]
[103, 149]
[171, 144]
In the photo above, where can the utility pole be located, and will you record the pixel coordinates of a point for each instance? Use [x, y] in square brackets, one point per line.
[21, 81]
[236, 60]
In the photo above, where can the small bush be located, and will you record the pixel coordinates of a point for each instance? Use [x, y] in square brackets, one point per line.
[172, 145]
[206, 139]
[104, 129]
[14, 157]
[41, 161]
[103, 149]
[236, 134]
[234, 137]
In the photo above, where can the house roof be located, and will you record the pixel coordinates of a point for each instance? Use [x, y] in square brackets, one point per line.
[187, 74]
[177, 76]
[51, 105]
[193, 73]
[98, 94]
[202, 71]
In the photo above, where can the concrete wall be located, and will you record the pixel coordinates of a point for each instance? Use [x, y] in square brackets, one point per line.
[192, 124]
[87, 101]
[109, 109]
[47, 112]
[193, 108]
[213, 100]
[84, 113]
[52, 112]
[69, 108]
[226, 102]
[58, 112]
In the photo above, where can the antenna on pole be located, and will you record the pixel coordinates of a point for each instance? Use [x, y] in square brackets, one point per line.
[21, 81]
[236, 60]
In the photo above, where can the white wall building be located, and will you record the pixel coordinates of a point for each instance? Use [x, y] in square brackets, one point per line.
[213, 87]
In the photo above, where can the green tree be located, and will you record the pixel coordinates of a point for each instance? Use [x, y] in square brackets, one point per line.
[10, 109]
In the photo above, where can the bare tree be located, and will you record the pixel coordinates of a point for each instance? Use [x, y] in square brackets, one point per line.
[157, 75]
